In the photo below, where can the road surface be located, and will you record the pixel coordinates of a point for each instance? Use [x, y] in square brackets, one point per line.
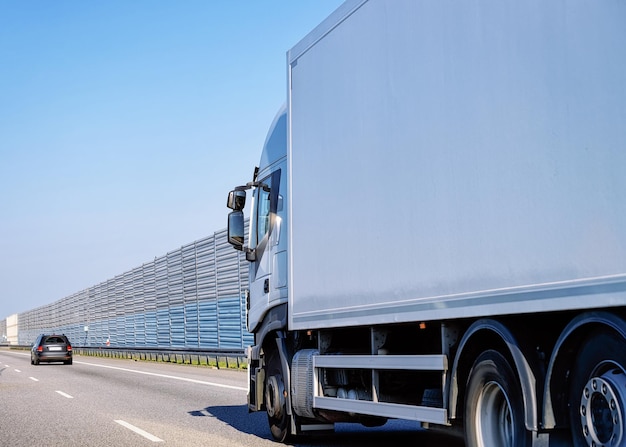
[113, 402]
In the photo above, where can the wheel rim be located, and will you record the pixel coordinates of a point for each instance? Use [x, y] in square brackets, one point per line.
[275, 397]
[494, 423]
[602, 409]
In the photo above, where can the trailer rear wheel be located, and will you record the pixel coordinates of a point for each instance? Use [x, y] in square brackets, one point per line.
[597, 399]
[494, 410]
[276, 398]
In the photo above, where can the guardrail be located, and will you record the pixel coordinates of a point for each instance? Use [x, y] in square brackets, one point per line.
[213, 358]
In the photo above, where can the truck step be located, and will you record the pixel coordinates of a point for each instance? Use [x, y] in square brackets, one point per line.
[388, 362]
[383, 409]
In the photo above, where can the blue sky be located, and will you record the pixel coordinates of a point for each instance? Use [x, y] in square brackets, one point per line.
[123, 125]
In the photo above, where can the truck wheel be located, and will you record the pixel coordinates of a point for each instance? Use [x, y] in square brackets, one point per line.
[494, 412]
[597, 398]
[276, 398]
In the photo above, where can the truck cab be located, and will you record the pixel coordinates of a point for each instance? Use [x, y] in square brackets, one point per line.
[266, 251]
[266, 247]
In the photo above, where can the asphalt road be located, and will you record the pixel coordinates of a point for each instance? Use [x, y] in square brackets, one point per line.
[113, 402]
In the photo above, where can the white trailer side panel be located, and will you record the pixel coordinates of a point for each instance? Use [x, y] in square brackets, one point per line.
[452, 159]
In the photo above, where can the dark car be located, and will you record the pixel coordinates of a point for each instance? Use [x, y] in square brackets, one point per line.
[51, 348]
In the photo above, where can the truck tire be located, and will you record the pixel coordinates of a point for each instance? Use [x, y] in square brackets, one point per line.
[275, 398]
[494, 410]
[597, 397]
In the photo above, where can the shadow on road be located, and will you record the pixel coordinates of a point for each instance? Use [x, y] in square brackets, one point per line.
[237, 416]
[392, 433]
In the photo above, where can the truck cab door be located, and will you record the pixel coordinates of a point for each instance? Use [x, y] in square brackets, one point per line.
[263, 233]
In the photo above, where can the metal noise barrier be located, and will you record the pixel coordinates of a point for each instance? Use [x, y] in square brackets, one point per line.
[192, 298]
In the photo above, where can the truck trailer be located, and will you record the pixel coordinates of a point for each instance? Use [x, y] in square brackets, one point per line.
[437, 226]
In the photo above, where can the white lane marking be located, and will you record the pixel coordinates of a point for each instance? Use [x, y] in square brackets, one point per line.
[165, 376]
[33, 379]
[139, 431]
[65, 395]
[18, 371]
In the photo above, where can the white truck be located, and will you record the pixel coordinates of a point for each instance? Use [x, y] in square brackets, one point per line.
[438, 224]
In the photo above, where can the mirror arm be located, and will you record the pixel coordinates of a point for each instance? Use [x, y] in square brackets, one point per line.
[251, 185]
[250, 254]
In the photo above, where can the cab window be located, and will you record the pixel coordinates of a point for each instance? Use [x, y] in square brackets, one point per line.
[263, 213]
[265, 201]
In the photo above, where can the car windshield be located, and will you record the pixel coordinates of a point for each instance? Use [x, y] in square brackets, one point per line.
[54, 341]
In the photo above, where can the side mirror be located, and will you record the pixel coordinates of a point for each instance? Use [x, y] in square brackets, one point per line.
[236, 228]
[236, 200]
